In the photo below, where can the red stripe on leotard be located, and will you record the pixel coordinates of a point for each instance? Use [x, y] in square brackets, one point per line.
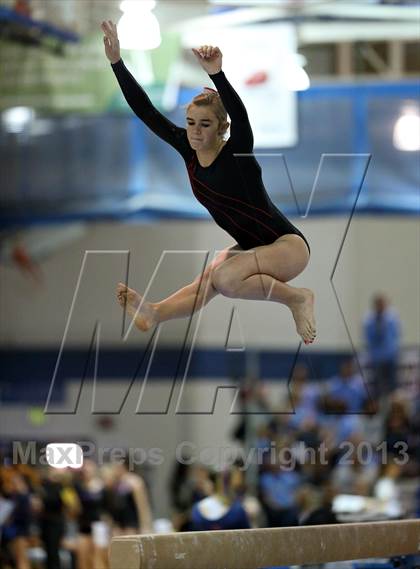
[196, 190]
[190, 169]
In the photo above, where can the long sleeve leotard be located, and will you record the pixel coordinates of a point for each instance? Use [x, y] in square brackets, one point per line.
[231, 187]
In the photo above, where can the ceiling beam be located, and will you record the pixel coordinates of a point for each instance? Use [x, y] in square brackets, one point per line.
[337, 32]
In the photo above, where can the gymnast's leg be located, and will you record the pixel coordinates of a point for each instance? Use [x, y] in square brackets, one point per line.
[181, 304]
[262, 273]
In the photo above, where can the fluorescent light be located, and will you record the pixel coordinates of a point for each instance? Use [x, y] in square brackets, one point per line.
[138, 28]
[16, 119]
[406, 135]
[298, 79]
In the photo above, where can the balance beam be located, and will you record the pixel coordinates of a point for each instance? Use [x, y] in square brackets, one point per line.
[256, 548]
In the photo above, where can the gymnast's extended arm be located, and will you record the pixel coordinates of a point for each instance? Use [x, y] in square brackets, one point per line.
[241, 137]
[135, 95]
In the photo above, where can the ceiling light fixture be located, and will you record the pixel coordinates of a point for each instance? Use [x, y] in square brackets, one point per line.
[406, 134]
[138, 27]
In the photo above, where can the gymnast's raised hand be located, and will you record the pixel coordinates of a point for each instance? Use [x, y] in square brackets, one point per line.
[111, 41]
[209, 57]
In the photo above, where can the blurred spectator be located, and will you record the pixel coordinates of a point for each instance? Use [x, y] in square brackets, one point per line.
[316, 507]
[202, 483]
[278, 488]
[191, 483]
[372, 427]
[239, 490]
[348, 386]
[52, 520]
[303, 393]
[304, 397]
[415, 430]
[222, 510]
[179, 486]
[90, 490]
[337, 428]
[398, 431]
[382, 331]
[16, 530]
[387, 491]
[418, 501]
[130, 501]
[253, 409]
[353, 475]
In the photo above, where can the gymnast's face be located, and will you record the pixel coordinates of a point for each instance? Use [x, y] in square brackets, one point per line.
[203, 128]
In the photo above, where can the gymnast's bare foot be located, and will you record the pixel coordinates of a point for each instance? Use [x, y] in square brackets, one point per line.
[146, 317]
[302, 308]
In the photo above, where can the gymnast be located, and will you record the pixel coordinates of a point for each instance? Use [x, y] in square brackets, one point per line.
[269, 250]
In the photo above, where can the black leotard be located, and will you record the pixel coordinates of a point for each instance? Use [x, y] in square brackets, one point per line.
[231, 188]
[91, 506]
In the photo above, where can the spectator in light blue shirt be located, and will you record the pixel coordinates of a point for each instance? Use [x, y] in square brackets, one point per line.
[382, 332]
[278, 489]
[348, 387]
[304, 395]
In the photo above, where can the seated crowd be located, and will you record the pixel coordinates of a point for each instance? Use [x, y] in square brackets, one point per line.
[335, 440]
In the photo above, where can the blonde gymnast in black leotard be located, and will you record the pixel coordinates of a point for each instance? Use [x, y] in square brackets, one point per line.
[232, 190]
